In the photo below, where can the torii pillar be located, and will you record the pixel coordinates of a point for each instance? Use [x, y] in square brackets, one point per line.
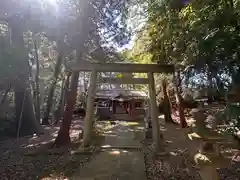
[157, 136]
[88, 121]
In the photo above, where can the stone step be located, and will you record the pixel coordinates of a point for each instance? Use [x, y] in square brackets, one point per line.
[126, 117]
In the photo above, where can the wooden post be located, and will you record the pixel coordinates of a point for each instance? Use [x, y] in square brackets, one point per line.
[179, 99]
[157, 136]
[133, 107]
[88, 121]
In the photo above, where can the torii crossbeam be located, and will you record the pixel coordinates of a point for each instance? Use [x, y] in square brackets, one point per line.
[121, 67]
[124, 80]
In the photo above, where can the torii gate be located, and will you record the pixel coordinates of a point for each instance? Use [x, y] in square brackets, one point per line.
[95, 68]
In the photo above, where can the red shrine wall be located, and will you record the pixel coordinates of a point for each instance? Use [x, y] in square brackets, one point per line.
[126, 110]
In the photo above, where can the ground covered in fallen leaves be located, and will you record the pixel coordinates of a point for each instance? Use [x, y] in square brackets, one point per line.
[32, 157]
[17, 166]
[174, 166]
[230, 173]
[179, 164]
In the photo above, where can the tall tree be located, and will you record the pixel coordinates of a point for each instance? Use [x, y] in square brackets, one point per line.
[23, 99]
[86, 35]
[53, 83]
[63, 96]
[37, 85]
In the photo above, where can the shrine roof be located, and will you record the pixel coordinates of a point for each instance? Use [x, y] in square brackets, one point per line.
[121, 92]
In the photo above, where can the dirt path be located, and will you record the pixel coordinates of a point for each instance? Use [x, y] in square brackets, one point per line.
[121, 156]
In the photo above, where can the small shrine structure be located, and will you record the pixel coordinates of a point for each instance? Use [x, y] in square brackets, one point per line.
[121, 104]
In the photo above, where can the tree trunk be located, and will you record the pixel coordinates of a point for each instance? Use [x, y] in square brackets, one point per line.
[236, 77]
[56, 113]
[37, 91]
[179, 100]
[60, 107]
[52, 88]
[27, 123]
[26, 119]
[219, 83]
[4, 97]
[167, 105]
[32, 83]
[63, 137]
[2, 114]
[210, 82]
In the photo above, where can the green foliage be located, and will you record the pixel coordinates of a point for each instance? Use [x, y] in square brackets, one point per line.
[200, 34]
[203, 35]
